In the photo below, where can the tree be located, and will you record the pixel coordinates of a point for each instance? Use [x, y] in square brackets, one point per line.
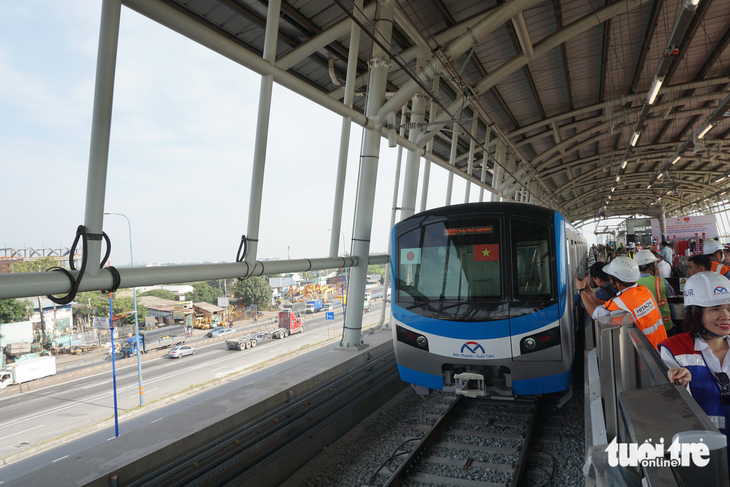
[125, 306]
[202, 292]
[12, 310]
[254, 290]
[160, 293]
[42, 264]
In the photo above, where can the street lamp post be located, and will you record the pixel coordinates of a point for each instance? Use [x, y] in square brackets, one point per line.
[136, 324]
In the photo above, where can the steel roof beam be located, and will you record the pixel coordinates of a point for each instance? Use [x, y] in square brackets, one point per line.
[590, 109]
[645, 46]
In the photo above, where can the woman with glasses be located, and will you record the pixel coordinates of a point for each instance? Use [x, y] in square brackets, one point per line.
[700, 357]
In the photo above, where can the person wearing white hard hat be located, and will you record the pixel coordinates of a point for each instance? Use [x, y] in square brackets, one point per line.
[714, 249]
[659, 287]
[631, 297]
[700, 357]
[631, 249]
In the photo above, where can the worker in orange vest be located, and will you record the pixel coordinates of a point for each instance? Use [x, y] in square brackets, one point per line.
[714, 249]
[632, 298]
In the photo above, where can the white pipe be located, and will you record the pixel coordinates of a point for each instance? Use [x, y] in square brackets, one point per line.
[23, 285]
[459, 46]
[485, 159]
[184, 25]
[379, 63]
[523, 34]
[407, 55]
[262, 132]
[470, 164]
[429, 147]
[106, 61]
[452, 159]
[352, 59]
[413, 158]
[393, 210]
[323, 39]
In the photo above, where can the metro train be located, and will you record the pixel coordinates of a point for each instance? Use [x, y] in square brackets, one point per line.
[483, 299]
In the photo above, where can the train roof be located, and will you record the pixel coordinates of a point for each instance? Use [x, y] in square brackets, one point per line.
[512, 208]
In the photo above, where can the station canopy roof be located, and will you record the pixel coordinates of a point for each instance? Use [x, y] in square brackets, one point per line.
[565, 84]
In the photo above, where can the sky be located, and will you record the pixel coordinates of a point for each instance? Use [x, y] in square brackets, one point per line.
[181, 149]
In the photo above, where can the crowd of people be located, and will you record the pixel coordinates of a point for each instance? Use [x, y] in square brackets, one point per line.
[697, 348]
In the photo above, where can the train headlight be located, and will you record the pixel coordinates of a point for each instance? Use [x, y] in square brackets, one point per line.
[540, 341]
[411, 338]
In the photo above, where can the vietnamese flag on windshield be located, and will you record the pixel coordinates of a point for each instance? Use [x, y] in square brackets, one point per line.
[486, 253]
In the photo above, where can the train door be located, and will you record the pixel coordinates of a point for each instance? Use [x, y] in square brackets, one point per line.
[534, 307]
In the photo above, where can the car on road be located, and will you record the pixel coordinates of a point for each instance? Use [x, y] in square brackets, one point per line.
[216, 332]
[181, 351]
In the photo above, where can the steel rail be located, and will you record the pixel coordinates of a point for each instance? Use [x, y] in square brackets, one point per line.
[521, 465]
[168, 473]
[400, 475]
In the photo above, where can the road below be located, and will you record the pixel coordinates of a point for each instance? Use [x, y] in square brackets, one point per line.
[41, 416]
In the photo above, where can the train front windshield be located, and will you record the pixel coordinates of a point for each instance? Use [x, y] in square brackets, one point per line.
[463, 261]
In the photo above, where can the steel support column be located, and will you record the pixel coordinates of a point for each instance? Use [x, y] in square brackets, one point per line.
[345, 132]
[429, 147]
[379, 64]
[485, 157]
[262, 132]
[452, 162]
[499, 152]
[470, 162]
[413, 158]
[101, 122]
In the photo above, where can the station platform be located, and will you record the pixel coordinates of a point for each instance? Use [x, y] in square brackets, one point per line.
[140, 452]
[630, 404]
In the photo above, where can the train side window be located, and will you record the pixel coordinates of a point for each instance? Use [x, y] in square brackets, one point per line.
[532, 253]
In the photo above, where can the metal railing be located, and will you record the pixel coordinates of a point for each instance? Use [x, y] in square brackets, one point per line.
[629, 399]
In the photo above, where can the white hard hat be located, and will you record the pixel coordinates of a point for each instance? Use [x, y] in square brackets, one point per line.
[711, 246]
[644, 257]
[706, 289]
[631, 245]
[624, 269]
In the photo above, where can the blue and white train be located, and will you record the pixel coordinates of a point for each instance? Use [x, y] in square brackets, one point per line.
[483, 299]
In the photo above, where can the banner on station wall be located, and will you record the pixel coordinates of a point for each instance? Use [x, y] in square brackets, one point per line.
[686, 227]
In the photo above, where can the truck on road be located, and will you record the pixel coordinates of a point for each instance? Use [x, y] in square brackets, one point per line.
[296, 308]
[154, 339]
[314, 306]
[27, 370]
[287, 323]
[366, 307]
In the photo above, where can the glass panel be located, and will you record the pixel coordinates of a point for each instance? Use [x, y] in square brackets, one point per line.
[531, 243]
[450, 261]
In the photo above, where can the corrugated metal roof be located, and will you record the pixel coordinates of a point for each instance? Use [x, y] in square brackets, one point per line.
[583, 85]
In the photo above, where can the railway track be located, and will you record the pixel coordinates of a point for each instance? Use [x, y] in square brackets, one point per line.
[239, 456]
[474, 443]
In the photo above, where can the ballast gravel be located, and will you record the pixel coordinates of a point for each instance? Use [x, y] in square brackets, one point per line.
[557, 459]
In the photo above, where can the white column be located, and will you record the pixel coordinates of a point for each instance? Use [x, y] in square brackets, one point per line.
[345, 132]
[429, 146]
[101, 122]
[470, 162]
[262, 132]
[379, 64]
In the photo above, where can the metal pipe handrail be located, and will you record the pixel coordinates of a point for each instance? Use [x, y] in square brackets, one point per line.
[45, 283]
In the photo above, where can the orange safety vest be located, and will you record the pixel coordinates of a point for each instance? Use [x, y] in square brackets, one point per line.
[640, 302]
[656, 285]
[721, 269]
